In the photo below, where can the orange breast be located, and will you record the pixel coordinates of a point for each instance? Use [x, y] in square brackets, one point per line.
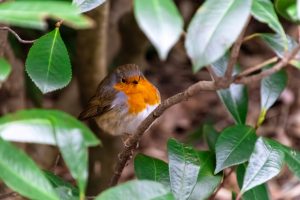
[139, 95]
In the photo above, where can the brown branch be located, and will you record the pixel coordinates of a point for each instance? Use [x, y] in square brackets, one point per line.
[8, 195]
[190, 91]
[16, 35]
[235, 52]
[283, 62]
[258, 67]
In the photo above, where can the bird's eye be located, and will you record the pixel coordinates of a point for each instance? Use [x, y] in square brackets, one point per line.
[135, 82]
[123, 80]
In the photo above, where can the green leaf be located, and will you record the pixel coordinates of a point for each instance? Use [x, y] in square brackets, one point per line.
[234, 146]
[32, 14]
[38, 126]
[284, 7]
[274, 41]
[149, 168]
[271, 88]
[87, 5]
[5, 70]
[211, 136]
[235, 98]
[48, 63]
[74, 151]
[265, 162]
[137, 190]
[214, 28]
[257, 193]
[64, 190]
[22, 175]
[183, 168]
[292, 159]
[263, 11]
[161, 22]
[207, 182]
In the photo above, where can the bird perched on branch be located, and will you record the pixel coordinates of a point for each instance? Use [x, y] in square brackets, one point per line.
[124, 98]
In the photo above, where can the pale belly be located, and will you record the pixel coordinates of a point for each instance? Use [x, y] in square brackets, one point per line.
[123, 123]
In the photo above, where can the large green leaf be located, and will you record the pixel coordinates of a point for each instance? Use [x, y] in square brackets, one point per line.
[274, 41]
[21, 174]
[271, 88]
[5, 70]
[183, 168]
[263, 11]
[284, 7]
[161, 22]
[235, 98]
[234, 146]
[149, 168]
[257, 193]
[207, 182]
[265, 162]
[137, 190]
[87, 5]
[214, 28]
[292, 159]
[211, 136]
[32, 14]
[64, 190]
[48, 63]
[38, 126]
[75, 154]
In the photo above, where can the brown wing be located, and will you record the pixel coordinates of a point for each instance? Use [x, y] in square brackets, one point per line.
[100, 103]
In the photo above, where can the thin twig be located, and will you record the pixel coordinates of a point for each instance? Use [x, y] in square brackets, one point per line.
[258, 66]
[235, 52]
[212, 197]
[185, 95]
[283, 62]
[16, 35]
[212, 73]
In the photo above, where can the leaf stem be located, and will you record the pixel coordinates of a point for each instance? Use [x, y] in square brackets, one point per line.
[16, 35]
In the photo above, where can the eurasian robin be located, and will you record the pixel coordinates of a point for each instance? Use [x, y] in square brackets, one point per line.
[124, 98]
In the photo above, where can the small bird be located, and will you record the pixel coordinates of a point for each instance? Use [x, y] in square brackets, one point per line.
[123, 99]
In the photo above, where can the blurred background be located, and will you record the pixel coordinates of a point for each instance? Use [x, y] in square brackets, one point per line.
[117, 40]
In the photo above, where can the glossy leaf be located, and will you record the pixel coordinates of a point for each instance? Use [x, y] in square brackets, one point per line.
[161, 22]
[292, 159]
[87, 5]
[235, 98]
[22, 175]
[271, 88]
[234, 146]
[64, 189]
[274, 41]
[37, 126]
[137, 190]
[5, 70]
[211, 136]
[263, 11]
[48, 63]
[32, 14]
[283, 7]
[257, 193]
[207, 182]
[149, 168]
[265, 162]
[183, 168]
[74, 152]
[214, 28]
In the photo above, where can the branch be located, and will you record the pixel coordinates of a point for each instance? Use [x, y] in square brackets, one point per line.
[235, 52]
[132, 142]
[16, 35]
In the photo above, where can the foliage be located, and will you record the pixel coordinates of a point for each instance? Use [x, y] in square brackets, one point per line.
[189, 173]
